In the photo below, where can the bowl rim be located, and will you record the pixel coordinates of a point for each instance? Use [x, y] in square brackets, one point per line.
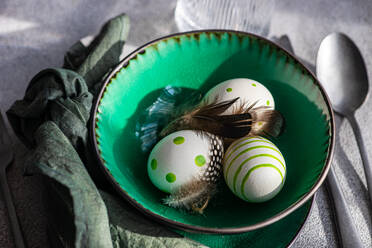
[200, 229]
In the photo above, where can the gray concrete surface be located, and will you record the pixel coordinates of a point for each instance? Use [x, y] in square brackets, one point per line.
[35, 34]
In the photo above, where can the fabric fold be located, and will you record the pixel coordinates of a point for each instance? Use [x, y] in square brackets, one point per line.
[52, 120]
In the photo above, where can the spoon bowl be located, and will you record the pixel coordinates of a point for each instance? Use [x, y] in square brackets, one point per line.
[342, 71]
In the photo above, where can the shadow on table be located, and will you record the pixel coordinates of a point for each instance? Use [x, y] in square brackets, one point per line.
[357, 188]
[326, 219]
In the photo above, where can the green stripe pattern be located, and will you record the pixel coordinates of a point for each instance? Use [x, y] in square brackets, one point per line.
[247, 155]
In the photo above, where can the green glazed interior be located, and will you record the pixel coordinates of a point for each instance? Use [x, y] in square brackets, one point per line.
[200, 61]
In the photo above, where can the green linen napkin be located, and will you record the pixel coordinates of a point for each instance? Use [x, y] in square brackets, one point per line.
[52, 120]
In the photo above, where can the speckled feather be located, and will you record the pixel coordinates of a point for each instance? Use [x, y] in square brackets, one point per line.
[195, 195]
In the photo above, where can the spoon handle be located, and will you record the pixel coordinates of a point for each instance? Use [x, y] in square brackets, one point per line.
[345, 225]
[363, 153]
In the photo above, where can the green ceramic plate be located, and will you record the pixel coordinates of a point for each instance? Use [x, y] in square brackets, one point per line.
[200, 60]
[279, 234]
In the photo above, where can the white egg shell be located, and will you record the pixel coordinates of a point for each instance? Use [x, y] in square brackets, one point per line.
[177, 159]
[254, 169]
[249, 91]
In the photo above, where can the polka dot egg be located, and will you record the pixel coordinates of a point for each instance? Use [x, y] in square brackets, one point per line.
[181, 156]
[249, 91]
[254, 169]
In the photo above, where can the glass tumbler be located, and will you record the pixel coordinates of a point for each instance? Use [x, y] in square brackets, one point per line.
[244, 15]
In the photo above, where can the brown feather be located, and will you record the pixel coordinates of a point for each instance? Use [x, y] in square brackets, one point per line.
[245, 120]
[208, 117]
[267, 122]
[216, 107]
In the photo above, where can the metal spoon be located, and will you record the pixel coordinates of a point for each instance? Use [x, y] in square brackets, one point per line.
[342, 72]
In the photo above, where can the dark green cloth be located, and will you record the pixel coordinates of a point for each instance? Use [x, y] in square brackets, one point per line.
[52, 120]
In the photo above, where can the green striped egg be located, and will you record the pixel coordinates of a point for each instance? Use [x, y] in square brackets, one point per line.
[254, 169]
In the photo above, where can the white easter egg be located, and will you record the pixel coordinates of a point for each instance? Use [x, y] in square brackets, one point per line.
[254, 169]
[182, 156]
[249, 91]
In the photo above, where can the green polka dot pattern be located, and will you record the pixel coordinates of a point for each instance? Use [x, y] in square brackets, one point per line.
[154, 164]
[267, 102]
[254, 85]
[200, 160]
[228, 89]
[178, 140]
[170, 177]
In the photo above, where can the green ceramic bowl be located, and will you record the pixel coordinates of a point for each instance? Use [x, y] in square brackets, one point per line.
[200, 60]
